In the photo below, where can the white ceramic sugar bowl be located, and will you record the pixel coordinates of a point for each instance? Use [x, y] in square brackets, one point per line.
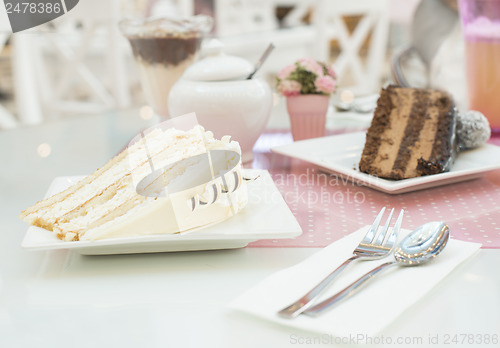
[225, 102]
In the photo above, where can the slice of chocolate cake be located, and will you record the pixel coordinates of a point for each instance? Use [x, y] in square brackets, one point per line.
[412, 134]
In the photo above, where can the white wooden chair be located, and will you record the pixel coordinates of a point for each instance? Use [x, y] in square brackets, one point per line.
[52, 64]
[7, 120]
[27, 88]
[367, 75]
[246, 27]
[48, 63]
[81, 32]
[23, 71]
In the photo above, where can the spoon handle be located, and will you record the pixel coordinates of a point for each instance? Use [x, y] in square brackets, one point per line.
[349, 290]
[261, 61]
[306, 301]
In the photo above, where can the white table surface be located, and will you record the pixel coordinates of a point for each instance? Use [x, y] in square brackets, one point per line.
[63, 299]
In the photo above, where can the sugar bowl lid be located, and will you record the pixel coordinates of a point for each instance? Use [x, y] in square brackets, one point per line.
[218, 66]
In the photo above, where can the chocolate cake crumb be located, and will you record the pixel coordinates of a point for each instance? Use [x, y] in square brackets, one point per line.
[428, 167]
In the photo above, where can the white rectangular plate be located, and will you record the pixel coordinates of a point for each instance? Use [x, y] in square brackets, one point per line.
[340, 154]
[266, 216]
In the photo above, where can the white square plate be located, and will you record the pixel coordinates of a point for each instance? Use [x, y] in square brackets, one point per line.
[266, 216]
[340, 154]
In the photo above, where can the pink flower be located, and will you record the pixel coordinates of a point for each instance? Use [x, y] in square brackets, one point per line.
[289, 88]
[286, 72]
[331, 72]
[311, 65]
[306, 76]
[325, 84]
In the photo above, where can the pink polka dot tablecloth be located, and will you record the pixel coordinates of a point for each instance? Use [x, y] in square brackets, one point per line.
[328, 208]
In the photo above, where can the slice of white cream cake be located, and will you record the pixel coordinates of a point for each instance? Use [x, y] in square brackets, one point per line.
[110, 204]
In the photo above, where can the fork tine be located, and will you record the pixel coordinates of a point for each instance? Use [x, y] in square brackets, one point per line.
[395, 231]
[373, 229]
[383, 233]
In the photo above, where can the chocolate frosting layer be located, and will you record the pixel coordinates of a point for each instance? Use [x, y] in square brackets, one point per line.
[445, 143]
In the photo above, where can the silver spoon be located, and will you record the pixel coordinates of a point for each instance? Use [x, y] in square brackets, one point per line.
[420, 246]
[261, 61]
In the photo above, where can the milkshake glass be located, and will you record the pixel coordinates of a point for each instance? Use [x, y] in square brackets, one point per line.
[163, 48]
[481, 27]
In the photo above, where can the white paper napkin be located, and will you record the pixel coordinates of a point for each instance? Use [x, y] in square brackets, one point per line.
[369, 310]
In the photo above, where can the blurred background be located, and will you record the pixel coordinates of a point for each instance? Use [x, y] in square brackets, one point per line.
[80, 64]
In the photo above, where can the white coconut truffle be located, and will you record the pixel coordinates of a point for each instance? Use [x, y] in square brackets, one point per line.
[473, 129]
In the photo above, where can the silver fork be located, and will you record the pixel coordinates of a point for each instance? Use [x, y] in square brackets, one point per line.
[372, 247]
